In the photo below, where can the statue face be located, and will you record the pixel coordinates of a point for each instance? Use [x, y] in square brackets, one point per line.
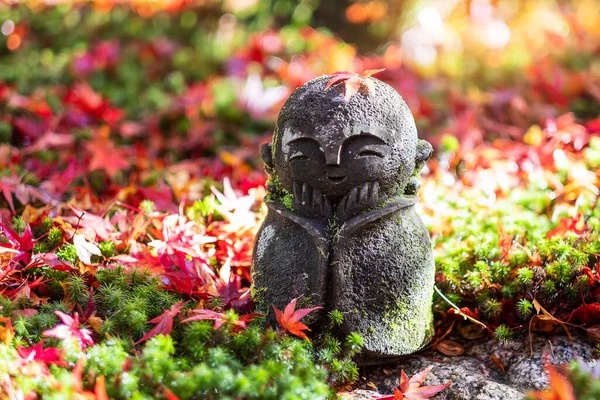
[334, 145]
[334, 159]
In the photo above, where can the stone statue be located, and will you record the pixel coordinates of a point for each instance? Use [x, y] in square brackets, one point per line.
[341, 230]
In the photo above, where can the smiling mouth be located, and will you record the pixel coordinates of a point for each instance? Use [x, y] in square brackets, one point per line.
[336, 179]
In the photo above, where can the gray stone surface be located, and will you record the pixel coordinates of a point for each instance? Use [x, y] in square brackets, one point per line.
[342, 231]
[475, 375]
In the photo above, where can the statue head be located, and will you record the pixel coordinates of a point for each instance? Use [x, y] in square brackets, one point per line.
[334, 143]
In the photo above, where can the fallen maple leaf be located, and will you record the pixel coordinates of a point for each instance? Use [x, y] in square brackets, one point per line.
[498, 363]
[104, 155]
[560, 387]
[100, 389]
[449, 347]
[586, 313]
[412, 389]
[576, 225]
[164, 322]
[505, 241]
[85, 249]
[22, 244]
[221, 318]
[169, 395]
[290, 319]
[70, 329]
[6, 332]
[51, 355]
[353, 82]
[77, 375]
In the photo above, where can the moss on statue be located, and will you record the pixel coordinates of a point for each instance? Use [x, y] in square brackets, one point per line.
[276, 193]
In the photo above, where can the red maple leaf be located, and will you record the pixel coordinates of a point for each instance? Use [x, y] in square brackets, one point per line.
[411, 389]
[51, 140]
[577, 225]
[6, 190]
[221, 318]
[592, 278]
[23, 244]
[466, 311]
[182, 282]
[70, 329]
[104, 155]
[84, 98]
[100, 225]
[586, 313]
[234, 296]
[51, 355]
[290, 319]
[353, 82]
[164, 322]
[24, 289]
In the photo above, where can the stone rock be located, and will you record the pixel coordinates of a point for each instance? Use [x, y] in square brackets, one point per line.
[342, 231]
[475, 375]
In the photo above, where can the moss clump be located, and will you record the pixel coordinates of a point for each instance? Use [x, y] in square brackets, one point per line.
[503, 333]
[277, 193]
[67, 253]
[272, 369]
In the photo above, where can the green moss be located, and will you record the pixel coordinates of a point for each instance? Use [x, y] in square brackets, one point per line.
[277, 193]
[408, 326]
[503, 333]
[258, 296]
[67, 253]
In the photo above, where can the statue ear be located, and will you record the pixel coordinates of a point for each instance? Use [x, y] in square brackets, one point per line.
[424, 152]
[266, 153]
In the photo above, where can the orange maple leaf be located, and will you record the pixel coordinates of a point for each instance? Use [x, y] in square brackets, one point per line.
[353, 81]
[7, 332]
[290, 319]
[560, 387]
[576, 224]
[506, 241]
[411, 389]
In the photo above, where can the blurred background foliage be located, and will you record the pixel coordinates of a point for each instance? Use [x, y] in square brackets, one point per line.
[236, 60]
[482, 41]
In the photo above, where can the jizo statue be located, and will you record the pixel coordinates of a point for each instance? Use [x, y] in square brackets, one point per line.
[342, 231]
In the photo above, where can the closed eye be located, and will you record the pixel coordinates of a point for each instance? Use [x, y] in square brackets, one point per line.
[298, 157]
[369, 153]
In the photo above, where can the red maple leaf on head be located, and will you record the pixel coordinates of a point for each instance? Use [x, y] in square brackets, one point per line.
[290, 319]
[353, 82]
[411, 389]
[164, 322]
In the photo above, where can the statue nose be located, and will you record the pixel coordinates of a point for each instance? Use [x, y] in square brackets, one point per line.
[333, 156]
